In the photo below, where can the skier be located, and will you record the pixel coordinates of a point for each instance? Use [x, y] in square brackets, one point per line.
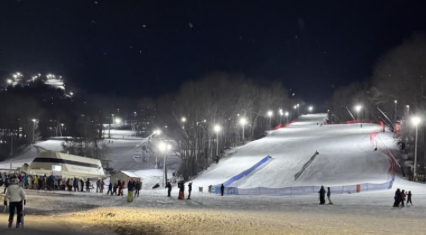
[16, 196]
[222, 189]
[36, 182]
[328, 195]
[130, 186]
[137, 188]
[402, 198]
[169, 189]
[322, 195]
[409, 198]
[6, 184]
[189, 190]
[114, 189]
[109, 188]
[397, 198]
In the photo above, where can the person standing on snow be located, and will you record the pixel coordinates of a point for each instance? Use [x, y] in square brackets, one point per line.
[120, 188]
[402, 197]
[102, 185]
[130, 187]
[189, 190]
[36, 182]
[87, 185]
[75, 184]
[137, 188]
[409, 198]
[397, 198]
[110, 188]
[169, 189]
[98, 185]
[82, 185]
[322, 195]
[328, 195]
[222, 189]
[16, 197]
[182, 190]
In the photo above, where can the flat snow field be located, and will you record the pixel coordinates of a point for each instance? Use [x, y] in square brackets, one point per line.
[154, 213]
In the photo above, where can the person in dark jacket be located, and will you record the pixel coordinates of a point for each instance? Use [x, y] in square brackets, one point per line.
[137, 188]
[169, 189]
[409, 198]
[182, 190]
[6, 184]
[110, 188]
[114, 189]
[222, 189]
[322, 195]
[189, 190]
[82, 185]
[87, 185]
[328, 195]
[75, 184]
[397, 198]
[120, 188]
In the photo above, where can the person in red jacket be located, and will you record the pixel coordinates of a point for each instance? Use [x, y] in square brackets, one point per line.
[402, 197]
[102, 185]
[120, 188]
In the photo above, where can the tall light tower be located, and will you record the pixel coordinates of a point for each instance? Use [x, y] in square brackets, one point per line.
[396, 103]
[286, 114]
[310, 109]
[357, 109]
[270, 113]
[164, 148]
[416, 121]
[298, 107]
[217, 130]
[34, 127]
[243, 122]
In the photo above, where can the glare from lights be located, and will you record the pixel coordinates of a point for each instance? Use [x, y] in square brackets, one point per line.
[216, 128]
[358, 108]
[34, 120]
[183, 119]
[270, 113]
[117, 120]
[408, 106]
[71, 93]
[9, 81]
[310, 108]
[396, 101]
[286, 113]
[416, 121]
[243, 121]
[15, 76]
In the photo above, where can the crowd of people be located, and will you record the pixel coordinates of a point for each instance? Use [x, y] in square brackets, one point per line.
[400, 196]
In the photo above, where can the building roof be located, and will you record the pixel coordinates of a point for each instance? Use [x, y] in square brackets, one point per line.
[130, 174]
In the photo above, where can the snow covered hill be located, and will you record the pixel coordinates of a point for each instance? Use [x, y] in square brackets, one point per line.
[345, 157]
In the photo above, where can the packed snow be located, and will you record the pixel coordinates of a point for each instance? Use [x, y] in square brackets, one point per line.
[346, 156]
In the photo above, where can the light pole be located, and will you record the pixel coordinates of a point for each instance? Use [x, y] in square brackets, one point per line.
[243, 121]
[396, 103]
[297, 109]
[286, 114]
[62, 128]
[310, 109]
[217, 130]
[34, 127]
[408, 110]
[164, 148]
[357, 109]
[270, 113]
[183, 120]
[416, 121]
[281, 116]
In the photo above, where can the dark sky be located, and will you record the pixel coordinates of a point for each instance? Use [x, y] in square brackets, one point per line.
[105, 48]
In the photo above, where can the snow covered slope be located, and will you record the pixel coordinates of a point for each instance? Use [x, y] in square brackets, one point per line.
[345, 157]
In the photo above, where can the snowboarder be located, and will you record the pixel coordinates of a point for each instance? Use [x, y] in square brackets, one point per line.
[322, 195]
[409, 198]
[130, 186]
[397, 198]
[169, 189]
[328, 195]
[109, 188]
[402, 198]
[222, 189]
[189, 190]
[16, 196]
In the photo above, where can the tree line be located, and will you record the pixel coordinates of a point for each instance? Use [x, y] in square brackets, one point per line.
[395, 94]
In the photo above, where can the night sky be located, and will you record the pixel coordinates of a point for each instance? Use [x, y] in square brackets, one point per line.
[150, 47]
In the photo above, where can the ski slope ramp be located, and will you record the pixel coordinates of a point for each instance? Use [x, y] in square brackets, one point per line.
[345, 157]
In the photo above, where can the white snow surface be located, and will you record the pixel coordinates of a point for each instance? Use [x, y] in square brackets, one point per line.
[345, 157]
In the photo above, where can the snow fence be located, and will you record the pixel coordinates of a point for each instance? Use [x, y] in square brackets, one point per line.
[303, 190]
